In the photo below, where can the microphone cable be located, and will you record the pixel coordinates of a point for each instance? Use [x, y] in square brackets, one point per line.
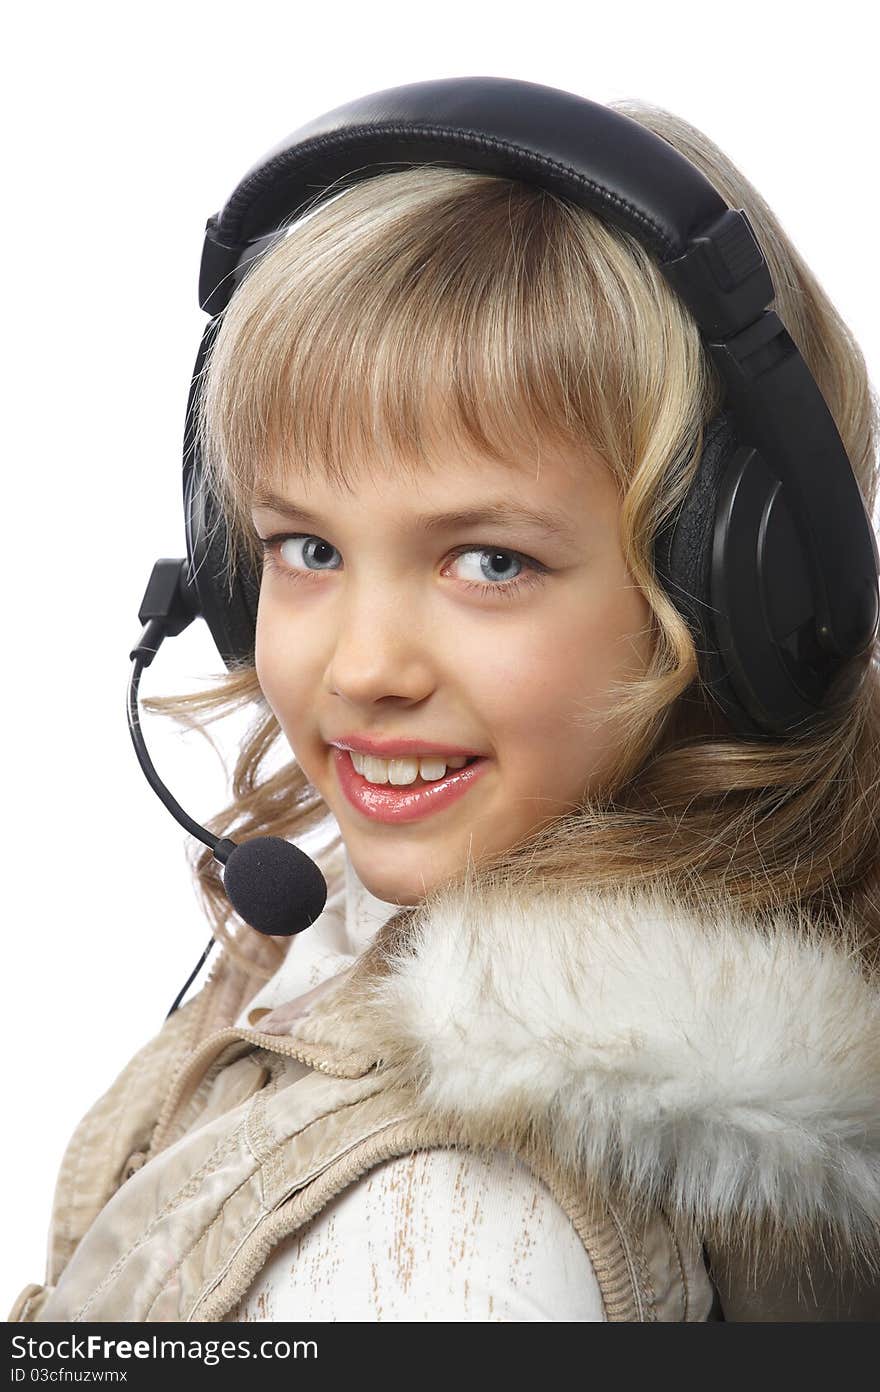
[273, 885]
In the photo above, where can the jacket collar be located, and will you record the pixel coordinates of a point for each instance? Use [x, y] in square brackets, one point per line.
[724, 1067]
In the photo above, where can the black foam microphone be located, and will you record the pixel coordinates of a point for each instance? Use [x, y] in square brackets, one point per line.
[272, 884]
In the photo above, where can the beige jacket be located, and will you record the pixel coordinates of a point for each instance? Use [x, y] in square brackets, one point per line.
[687, 1088]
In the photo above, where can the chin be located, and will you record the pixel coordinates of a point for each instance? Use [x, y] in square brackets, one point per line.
[403, 896]
[396, 888]
[403, 875]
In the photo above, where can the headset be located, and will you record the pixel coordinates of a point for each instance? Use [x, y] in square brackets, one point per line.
[771, 558]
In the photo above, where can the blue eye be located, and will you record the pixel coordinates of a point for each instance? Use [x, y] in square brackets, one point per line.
[315, 552]
[492, 559]
[532, 572]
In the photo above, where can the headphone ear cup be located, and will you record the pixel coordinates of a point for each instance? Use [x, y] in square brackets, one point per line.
[230, 611]
[683, 563]
[736, 565]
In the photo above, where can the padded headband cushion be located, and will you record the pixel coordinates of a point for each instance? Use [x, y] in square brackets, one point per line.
[585, 151]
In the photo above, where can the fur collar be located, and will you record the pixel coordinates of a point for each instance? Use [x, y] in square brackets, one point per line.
[726, 1069]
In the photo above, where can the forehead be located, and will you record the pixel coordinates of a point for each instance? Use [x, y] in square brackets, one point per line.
[549, 488]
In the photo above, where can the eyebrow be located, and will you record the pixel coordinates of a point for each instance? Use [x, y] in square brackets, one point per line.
[497, 512]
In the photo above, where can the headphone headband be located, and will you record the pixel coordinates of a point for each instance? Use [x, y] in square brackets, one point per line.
[578, 148]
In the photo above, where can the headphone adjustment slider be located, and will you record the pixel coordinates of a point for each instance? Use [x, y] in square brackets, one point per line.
[722, 277]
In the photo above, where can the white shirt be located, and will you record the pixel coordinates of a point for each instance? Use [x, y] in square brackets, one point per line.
[439, 1235]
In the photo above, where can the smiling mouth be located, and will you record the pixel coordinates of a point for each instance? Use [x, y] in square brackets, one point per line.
[406, 802]
[418, 781]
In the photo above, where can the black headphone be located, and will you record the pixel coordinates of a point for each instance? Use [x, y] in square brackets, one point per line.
[771, 559]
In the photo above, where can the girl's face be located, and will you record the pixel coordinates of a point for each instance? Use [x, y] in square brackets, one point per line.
[381, 619]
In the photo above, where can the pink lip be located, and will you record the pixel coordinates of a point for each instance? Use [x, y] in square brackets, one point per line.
[383, 802]
[389, 749]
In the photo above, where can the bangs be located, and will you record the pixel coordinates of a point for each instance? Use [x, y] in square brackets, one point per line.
[425, 311]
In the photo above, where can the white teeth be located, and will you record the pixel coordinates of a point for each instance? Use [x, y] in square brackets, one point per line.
[403, 771]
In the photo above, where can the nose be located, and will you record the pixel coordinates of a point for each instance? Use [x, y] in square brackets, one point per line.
[379, 648]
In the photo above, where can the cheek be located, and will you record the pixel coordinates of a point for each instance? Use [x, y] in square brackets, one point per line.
[545, 688]
[280, 662]
[264, 653]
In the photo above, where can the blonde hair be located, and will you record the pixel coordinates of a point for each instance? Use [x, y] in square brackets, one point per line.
[434, 302]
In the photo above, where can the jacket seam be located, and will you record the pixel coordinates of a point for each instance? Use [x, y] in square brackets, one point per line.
[376, 1153]
[264, 1209]
[195, 1101]
[226, 1144]
[267, 1155]
[679, 1257]
[203, 1236]
[117, 1112]
[636, 1289]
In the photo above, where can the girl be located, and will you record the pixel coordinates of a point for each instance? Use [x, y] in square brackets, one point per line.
[588, 1029]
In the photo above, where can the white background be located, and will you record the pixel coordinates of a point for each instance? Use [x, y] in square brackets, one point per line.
[124, 128]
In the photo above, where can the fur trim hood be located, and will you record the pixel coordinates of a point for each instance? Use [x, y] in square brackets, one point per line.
[726, 1069]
